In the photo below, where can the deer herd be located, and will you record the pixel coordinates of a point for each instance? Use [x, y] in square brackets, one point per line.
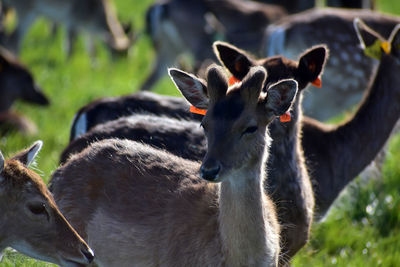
[239, 180]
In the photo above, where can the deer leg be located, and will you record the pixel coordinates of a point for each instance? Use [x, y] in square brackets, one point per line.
[69, 41]
[159, 70]
[25, 20]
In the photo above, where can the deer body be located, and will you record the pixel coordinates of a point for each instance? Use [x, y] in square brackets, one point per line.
[95, 16]
[210, 20]
[172, 218]
[347, 62]
[30, 221]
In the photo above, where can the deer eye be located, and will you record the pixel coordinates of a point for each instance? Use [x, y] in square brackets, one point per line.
[38, 209]
[250, 130]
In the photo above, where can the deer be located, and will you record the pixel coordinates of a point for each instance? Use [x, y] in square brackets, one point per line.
[17, 83]
[97, 17]
[180, 137]
[174, 218]
[30, 220]
[347, 63]
[210, 20]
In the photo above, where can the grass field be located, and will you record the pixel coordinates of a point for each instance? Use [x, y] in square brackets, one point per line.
[363, 229]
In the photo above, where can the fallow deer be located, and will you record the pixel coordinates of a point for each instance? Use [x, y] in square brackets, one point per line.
[347, 62]
[17, 83]
[289, 186]
[239, 22]
[30, 221]
[335, 155]
[152, 203]
[97, 17]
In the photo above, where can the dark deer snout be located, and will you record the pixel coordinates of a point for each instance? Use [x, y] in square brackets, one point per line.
[209, 170]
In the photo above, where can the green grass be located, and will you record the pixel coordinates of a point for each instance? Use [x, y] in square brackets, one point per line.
[361, 230]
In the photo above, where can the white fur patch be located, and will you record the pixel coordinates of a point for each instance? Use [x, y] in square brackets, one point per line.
[80, 126]
[276, 41]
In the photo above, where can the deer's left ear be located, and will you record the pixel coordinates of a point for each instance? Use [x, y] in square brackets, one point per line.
[280, 97]
[311, 64]
[235, 60]
[394, 41]
[28, 156]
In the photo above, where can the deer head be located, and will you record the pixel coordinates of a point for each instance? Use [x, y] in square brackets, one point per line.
[237, 116]
[306, 70]
[30, 221]
[16, 82]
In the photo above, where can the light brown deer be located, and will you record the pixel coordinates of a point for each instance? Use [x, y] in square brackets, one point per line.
[30, 221]
[97, 17]
[141, 206]
[239, 22]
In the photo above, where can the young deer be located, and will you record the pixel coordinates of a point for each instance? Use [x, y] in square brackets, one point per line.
[151, 209]
[30, 221]
[239, 22]
[335, 155]
[16, 82]
[288, 184]
[94, 16]
[347, 64]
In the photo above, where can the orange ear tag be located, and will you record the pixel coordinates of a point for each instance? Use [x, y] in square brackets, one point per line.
[195, 110]
[317, 82]
[285, 117]
[233, 80]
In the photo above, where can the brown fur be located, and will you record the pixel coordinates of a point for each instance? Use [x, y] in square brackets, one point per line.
[30, 220]
[154, 210]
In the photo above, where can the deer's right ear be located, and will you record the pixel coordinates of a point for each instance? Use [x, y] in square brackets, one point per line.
[235, 60]
[28, 156]
[191, 87]
[365, 34]
[394, 40]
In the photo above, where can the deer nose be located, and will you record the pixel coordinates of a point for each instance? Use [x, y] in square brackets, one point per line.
[88, 253]
[210, 170]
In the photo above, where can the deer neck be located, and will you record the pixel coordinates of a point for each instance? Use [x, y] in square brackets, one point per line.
[243, 217]
[339, 154]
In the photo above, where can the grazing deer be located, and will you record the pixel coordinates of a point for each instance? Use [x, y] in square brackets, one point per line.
[150, 208]
[289, 186]
[347, 64]
[30, 221]
[97, 17]
[16, 82]
[239, 22]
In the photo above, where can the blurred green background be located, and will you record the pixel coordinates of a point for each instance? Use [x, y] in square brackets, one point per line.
[363, 228]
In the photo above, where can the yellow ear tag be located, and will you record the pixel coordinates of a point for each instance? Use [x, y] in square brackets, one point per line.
[386, 47]
[374, 50]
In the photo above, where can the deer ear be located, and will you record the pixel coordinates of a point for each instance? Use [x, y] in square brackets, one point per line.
[191, 87]
[28, 156]
[394, 41]
[365, 34]
[217, 82]
[280, 96]
[311, 64]
[253, 83]
[235, 60]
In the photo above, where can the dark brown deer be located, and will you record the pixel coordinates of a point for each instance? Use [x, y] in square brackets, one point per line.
[289, 186]
[30, 221]
[17, 83]
[97, 17]
[347, 64]
[239, 22]
[153, 202]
